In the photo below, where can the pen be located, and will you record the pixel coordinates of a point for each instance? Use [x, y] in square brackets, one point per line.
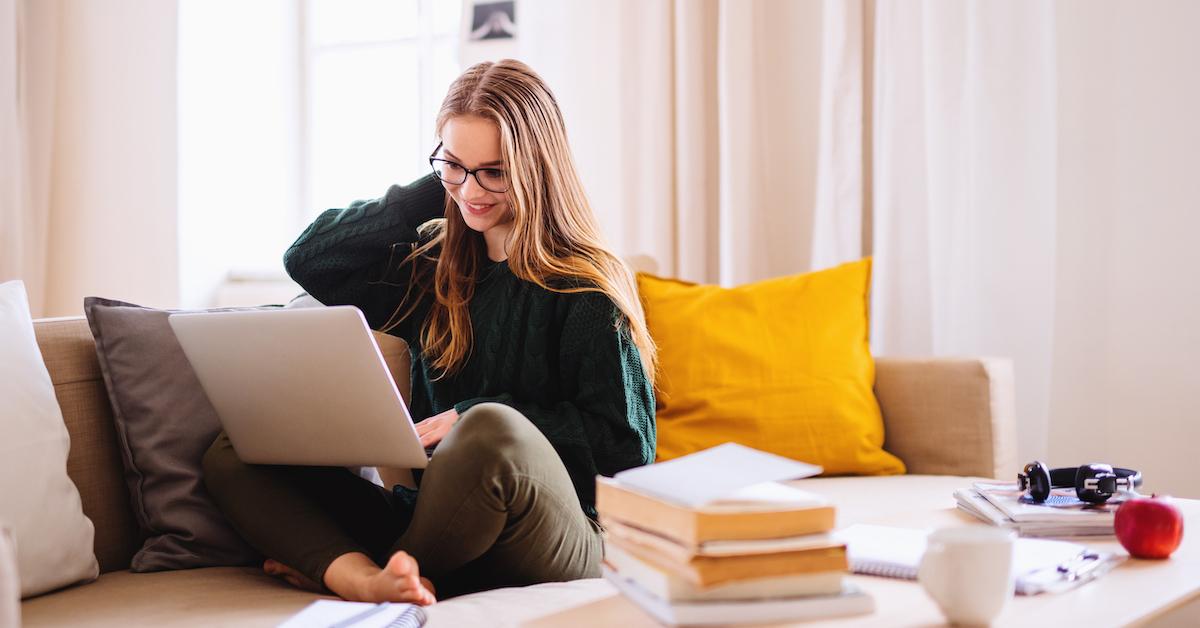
[1080, 567]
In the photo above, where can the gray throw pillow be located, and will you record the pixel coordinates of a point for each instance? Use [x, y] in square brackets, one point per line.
[164, 424]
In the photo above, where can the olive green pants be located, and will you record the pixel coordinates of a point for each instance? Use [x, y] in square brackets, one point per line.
[495, 508]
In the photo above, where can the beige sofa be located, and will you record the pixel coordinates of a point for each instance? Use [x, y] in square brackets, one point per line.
[944, 418]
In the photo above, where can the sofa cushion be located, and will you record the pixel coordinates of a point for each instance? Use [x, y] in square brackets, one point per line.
[781, 365]
[244, 596]
[38, 502]
[94, 463]
[164, 425]
[215, 596]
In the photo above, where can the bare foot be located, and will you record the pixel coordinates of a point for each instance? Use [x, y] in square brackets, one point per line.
[357, 578]
[275, 568]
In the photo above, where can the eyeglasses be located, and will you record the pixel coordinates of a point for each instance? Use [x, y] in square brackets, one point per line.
[454, 173]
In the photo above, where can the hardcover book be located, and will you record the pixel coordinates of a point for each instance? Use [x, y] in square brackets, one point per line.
[849, 601]
[761, 511]
[663, 583]
[706, 571]
[684, 552]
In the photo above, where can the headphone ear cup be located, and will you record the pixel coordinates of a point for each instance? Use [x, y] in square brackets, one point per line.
[1039, 480]
[1095, 483]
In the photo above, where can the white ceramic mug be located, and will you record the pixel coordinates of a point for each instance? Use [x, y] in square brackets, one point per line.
[968, 571]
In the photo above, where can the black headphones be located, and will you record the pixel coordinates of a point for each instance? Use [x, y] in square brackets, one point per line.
[1093, 483]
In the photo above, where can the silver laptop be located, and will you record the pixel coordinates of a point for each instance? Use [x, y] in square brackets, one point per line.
[304, 386]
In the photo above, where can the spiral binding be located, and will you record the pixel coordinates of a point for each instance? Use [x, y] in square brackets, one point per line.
[414, 617]
[887, 570]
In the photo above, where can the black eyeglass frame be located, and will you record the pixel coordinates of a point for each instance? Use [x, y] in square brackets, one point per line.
[467, 172]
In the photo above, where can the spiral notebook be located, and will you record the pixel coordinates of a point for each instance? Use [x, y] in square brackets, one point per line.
[340, 614]
[883, 551]
[1039, 563]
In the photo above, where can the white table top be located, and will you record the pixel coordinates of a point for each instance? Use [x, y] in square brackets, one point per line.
[1136, 591]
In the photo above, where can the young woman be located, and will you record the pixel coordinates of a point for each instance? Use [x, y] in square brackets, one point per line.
[531, 361]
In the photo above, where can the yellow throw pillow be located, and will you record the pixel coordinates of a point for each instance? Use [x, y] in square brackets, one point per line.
[781, 365]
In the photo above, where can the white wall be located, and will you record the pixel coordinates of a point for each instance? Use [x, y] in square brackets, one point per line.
[113, 216]
[1126, 388]
[239, 146]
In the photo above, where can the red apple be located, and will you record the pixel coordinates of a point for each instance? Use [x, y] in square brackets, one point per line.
[1149, 527]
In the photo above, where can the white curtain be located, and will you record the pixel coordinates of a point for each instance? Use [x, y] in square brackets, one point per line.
[842, 215]
[965, 169]
[731, 141]
[28, 37]
[698, 127]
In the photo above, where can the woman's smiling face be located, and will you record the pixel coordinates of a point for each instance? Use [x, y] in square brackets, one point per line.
[474, 142]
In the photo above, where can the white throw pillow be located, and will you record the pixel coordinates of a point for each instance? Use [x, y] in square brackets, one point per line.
[38, 502]
[10, 586]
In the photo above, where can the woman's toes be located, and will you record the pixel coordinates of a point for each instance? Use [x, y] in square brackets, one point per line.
[401, 578]
[402, 565]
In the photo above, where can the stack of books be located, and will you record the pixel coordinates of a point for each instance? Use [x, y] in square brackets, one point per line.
[763, 553]
[1062, 515]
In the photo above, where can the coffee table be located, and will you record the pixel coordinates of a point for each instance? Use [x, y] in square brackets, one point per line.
[1136, 592]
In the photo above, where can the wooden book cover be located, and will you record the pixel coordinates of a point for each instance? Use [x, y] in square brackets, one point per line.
[707, 571]
[725, 520]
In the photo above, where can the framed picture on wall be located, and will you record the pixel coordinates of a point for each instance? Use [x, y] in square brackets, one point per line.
[493, 20]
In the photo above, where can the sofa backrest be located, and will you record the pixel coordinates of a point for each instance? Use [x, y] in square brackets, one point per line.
[941, 417]
[94, 463]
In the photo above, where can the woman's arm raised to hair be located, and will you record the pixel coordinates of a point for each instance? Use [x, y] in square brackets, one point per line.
[351, 256]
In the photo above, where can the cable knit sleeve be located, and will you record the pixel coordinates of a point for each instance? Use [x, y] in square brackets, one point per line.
[352, 256]
[605, 424]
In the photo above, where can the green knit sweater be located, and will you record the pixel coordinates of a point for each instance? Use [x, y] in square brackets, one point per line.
[561, 359]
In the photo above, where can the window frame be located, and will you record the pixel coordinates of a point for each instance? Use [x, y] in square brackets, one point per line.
[426, 41]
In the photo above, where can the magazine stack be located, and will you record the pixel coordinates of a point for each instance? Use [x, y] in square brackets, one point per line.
[1062, 514]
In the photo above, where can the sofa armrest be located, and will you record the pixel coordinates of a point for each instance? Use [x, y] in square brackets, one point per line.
[949, 416]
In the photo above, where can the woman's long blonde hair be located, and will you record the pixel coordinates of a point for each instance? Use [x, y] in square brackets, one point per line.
[555, 241]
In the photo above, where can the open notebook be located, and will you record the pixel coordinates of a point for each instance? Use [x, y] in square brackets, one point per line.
[896, 553]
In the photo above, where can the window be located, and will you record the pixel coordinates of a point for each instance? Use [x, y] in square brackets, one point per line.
[290, 107]
[376, 72]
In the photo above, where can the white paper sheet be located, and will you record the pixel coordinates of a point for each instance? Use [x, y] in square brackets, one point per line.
[705, 476]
